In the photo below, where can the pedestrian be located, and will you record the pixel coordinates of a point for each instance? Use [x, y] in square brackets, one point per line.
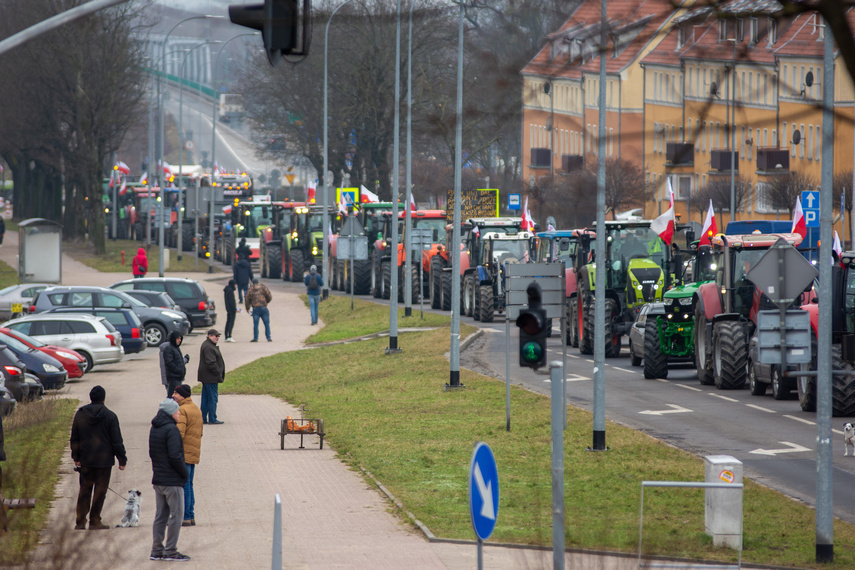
[140, 264]
[314, 282]
[96, 442]
[256, 302]
[243, 250]
[231, 308]
[243, 276]
[169, 473]
[211, 373]
[190, 426]
[173, 365]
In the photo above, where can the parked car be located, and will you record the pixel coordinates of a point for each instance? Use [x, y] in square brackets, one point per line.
[21, 294]
[156, 299]
[93, 337]
[73, 362]
[48, 369]
[7, 400]
[636, 332]
[126, 322]
[24, 387]
[190, 294]
[158, 323]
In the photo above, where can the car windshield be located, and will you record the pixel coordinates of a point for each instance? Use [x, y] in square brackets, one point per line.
[255, 219]
[628, 243]
[7, 290]
[504, 249]
[316, 222]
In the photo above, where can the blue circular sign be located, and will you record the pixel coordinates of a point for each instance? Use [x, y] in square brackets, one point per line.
[483, 491]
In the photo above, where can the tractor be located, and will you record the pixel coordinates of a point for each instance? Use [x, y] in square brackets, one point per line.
[340, 271]
[307, 240]
[249, 218]
[483, 286]
[275, 238]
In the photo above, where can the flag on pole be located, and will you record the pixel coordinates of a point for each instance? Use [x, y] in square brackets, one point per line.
[411, 207]
[342, 205]
[664, 224]
[550, 227]
[476, 232]
[122, 167]
[367, 196]
[167, 170]
[310, 191]
[527, 223]
[144, 178]
[112, 177]
[710, 227]
[329, 231]
[835, 245]
[799, 226]
[123, 189]
[227, 209]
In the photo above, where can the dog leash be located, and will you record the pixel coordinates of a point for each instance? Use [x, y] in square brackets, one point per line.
[117, 494]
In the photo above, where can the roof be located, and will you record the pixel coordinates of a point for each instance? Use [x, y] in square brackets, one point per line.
[552, 234]
[755, 240]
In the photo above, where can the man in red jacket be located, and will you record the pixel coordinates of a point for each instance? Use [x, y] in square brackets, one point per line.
[140, 264]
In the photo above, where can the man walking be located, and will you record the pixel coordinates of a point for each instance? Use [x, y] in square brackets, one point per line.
[190, 426]
[314, 282]
[242, 275]
[96, 440]
[256, 299]
[169, 473]
[231, 308]
[211, 373]
[173, 366]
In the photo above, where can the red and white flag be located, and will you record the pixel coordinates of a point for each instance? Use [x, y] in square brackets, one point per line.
[144, 178]
[227, 209]
[836, 247]
[329, 231]
[799, 226]
[527, 222]
[366, 196]
[710, 227]
[664, 224]
[112, 178]
[122, 167]
[167, 169]
[310, 191]
[411, 207]
[476, 232]
[342, 205]
[123, 189]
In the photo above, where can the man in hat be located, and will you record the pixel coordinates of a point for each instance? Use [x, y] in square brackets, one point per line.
[256, 300]
[211, 373]
[314, 282]
[96, 441]
[190, 426]
[169, 473]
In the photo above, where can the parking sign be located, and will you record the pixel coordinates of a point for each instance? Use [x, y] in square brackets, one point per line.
[810, 207]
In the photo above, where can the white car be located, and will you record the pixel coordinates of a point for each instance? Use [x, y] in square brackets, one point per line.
[21, 294]
[93, 337]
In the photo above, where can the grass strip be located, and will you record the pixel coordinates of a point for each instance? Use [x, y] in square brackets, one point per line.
[390, 415]
[111, 260]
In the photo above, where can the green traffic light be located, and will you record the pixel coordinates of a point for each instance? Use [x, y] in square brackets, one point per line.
[532, 352]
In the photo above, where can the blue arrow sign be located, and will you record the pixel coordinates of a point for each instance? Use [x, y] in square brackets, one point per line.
[483, 491]
[810, 207]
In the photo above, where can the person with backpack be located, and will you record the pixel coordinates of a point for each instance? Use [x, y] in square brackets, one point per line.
[314, 282]
[140, 264]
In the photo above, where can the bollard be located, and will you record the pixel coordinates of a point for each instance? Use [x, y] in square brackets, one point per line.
[123, 257]
[723, 513]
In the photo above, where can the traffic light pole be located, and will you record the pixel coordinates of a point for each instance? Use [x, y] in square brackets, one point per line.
[556, 378]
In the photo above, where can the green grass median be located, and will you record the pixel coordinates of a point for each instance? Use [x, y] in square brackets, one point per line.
[111, 260]
[390, 416]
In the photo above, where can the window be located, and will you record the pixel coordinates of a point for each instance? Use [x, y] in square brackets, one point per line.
[763, 200]
[76, 299]
[681, 38]
[817, 147]
[78, 327]
[765, 137]
[722, 29]
[784, 143]
[784, 78]
[116, 318]
[772, 34]
[754, 30]
[810, 142]
[682, 186]
[109, 300]
[742, 142]
[802, 146]
[21, 327]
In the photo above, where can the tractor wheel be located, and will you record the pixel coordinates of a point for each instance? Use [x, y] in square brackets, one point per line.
[445, 291]
[187, 237]
[434, 283]
[573, 323]
[806, 385]
[730, 355]
[703, 362]
[417, 284]
[476, 303]
[402, 284]
[756, 387]
[263, 261]
[842, 387]
[286, 265]
[468, 296]
[376, 280]
[362, 277]
[386, 281]
[655, 361]
[487, 304]
[780, 388]
[337, 279]
[612, 340]
[586, 327]
[297, 265]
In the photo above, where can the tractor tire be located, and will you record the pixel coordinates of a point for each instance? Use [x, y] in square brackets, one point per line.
[386, 280]
[573, 323]
[586, 328]
[262, 257]
[486, 303]
[297, 265]
[274, 261]
[655, 361]
[187, 236]
[434, 283]
[402, 284]
[286, 266]
[806, 385]
[842, 387]
[362, 277]
[703, 362]
[445, 290]
[376, 280]
[730, 355]
[612, 340]
[417, 283]
[228, 252]
[780, 389]
[336, 271]
[756, 387]
[467, 310]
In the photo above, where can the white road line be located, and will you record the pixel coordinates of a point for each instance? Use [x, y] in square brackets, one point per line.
[621, 369]
[804, 421]
[837, 431]
[723, 397]
[761, 408]
[662, 380]
[589, 360]
[688, 387]
[572, 356]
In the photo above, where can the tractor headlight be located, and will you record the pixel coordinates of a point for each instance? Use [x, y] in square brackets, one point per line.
[656, 286]
[685, 301]
[638, 287]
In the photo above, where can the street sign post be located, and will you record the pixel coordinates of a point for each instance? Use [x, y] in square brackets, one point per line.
[810, 208]
[352, 246]
[514, 201]
[420, 240]
[483, 494]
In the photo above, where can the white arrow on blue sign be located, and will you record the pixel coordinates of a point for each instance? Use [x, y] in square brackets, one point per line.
[483, 491]
[810, 207]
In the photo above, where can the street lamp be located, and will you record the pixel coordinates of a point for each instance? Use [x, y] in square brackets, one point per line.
[408, 223]
[732, 106]
[326, 254]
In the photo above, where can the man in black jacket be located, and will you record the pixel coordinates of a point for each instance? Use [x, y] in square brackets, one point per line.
[243, 250]
[96, 440]
[243, 275]
[169, 473]
[231, 308]
[173, 363]
[211, 373]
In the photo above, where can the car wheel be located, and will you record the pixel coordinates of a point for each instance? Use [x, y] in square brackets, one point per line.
[87, 364]
[155, 334]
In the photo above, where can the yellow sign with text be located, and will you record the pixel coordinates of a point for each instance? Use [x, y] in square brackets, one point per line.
[476, 204]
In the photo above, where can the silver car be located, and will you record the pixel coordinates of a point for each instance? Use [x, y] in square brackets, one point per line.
[93, 337]
[21, 294]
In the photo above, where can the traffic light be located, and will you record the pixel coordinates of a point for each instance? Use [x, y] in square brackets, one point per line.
[532, 324]
[278, 21]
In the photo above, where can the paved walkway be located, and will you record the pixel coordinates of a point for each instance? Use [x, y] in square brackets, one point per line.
[332, 518]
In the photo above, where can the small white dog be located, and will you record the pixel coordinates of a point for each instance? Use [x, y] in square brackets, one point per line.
[848, 438]
[132, 509]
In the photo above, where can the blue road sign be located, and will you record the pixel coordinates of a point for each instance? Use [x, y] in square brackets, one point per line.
[810, 207]
[483, 491]
[514, 201]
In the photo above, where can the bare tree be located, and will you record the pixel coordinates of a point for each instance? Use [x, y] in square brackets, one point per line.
[783, 190]
[718, 190]
[625, 185]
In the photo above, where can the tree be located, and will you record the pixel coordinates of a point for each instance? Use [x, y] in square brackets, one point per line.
[625, 185]
[783, 191]
[718, 190]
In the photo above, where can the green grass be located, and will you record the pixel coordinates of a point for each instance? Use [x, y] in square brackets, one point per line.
[8, 275]
[36, 436]
[111, 260]
[390, 415]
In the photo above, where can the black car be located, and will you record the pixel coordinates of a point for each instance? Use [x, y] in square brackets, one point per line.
[46, 368]
[156, 299]
[189, 294]
[636, 333]
[125, 321]
[23, 388]
[7, 400]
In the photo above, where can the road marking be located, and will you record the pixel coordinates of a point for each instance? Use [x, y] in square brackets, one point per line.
[572, 356]
[793, 448]
[804, 421]
[676, 410]
[662, 380]
[589, 360]
[621, 369]
[761, 408]
[571, 378]
[687, 387]
[723, 397]
[837, 431]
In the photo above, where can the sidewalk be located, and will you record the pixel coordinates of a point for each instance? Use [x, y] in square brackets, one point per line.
[332, 518]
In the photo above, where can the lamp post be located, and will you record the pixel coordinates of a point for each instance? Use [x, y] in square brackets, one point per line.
[181, 146]
[454, 351]
[408, 221]
[326, 257]
[214, 150]
[732, 106]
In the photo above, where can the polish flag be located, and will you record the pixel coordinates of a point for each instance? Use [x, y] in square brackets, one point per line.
[144, 178]
[710, 227]
[342, 205]
[799, 226]
[527, 223]
[367, 196]
[310, 191]
[664, 224]
[836, 247]
[167, 169]
[412, 203]
[227, 209]
[122, 167]
[476, 231]
[112, 177]
[123, 189]
[329, 231]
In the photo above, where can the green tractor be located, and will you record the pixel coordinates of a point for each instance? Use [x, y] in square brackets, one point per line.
[307, 238]
[637, 272]
[671, 337]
